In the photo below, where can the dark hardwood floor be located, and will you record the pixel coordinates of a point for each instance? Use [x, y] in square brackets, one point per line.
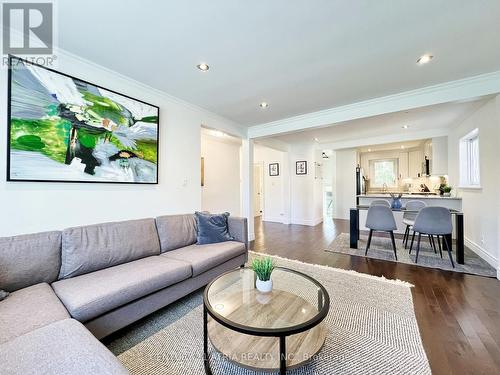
[458, 314]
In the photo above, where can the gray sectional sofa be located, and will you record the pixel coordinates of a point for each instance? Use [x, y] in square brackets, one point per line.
[70, 288]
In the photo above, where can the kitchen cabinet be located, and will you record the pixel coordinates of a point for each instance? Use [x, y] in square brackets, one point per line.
[415, 163]
[403, 165]
[439, 156]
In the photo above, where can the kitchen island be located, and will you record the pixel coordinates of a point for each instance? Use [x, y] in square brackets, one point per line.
[452, 203]
[358, 214]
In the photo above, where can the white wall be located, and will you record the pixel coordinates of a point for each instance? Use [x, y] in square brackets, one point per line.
[305, 190]
[275, 203]
[344, 183]
[221, 191]
[480, 206]
[31, 207]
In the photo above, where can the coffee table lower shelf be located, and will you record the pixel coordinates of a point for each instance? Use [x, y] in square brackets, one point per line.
[262, 353]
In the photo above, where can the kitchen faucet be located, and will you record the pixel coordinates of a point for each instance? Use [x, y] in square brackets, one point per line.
[384, 187]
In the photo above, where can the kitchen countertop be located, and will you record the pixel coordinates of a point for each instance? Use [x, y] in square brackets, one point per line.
[407, 196]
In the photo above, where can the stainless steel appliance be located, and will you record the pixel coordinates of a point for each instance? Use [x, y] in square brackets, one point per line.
[360, 181]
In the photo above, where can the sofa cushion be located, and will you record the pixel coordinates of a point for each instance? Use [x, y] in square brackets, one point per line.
[94, 247]
[28, 309]
[176, 231]
[29, 259]
[212, 228]
[205, 257]
[93, 294]
[61, 348]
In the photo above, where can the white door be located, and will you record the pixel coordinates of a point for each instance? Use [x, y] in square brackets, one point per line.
[257, 189]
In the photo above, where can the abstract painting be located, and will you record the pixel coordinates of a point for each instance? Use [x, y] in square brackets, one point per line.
[68, 130]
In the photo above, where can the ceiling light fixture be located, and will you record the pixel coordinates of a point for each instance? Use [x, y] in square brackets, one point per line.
[369, 150]
[405, 126]
[203, 67]
[315, 139]
[402, 147]
[264, 105]
[424, 59]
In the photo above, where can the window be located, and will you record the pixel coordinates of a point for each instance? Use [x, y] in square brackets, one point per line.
[383, 172]
[469, 160]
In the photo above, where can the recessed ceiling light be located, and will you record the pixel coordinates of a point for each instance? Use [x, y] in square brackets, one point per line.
[264, 105]
[316, 139]
[369, 150]
[402, 147]
[203, 67]
[405, 126]
[424, 59]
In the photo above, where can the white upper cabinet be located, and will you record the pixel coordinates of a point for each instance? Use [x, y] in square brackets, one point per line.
[439, 160]
[415, 163]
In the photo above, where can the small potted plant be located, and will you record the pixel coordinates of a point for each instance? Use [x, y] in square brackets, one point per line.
[447, 191]
[263, 267]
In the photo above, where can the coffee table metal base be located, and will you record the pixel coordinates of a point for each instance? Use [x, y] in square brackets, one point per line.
[243, 350]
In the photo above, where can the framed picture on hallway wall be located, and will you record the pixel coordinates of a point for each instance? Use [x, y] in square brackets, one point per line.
[301, 167]
[274, 169]
[64, 129]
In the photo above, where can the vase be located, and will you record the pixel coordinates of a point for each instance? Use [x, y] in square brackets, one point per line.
[264, 286]
[396, 203]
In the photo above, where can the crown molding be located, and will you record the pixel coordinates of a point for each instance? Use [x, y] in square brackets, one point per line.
[463, 89]
[384, 139]
[210, 118]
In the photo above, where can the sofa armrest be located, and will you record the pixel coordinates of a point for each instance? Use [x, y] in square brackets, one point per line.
[238, 228]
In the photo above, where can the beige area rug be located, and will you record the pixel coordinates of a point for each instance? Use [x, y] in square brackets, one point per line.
[372, 329]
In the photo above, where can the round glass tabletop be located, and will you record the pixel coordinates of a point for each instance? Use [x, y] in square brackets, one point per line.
[296, 303]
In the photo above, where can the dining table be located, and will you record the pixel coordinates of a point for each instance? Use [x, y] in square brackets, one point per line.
[459, 229]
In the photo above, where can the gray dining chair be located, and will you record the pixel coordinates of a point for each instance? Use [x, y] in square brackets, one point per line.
[409, 217]
[380, 202]
[434, 221]
[381, 219]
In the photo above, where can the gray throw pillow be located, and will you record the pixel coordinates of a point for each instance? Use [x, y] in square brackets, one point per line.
[212, 228]
[3, 294]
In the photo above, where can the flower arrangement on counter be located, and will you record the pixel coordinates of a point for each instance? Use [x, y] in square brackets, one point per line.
[396, 200]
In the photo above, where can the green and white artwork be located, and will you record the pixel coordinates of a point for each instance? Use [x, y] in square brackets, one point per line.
[65, 129]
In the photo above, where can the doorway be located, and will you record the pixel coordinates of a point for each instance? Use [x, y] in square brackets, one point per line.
[258, 182]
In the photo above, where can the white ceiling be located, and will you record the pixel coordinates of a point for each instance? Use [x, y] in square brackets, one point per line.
[392, 146]
[300, 56]
[419, 120]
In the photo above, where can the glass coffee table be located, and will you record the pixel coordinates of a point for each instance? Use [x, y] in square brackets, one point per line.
[264, 331]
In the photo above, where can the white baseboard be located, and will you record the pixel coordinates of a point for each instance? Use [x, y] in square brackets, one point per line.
[310, 222]
[492, 260]
[273, 219]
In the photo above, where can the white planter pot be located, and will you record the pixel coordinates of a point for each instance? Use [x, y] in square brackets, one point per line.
[264, 286]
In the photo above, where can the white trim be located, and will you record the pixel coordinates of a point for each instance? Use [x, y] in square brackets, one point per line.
[472, 187]
[462, 89]
[384, 139]
[59, 52]
[498, 272]
[481, 252]
[307, 222]
[272, 219]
